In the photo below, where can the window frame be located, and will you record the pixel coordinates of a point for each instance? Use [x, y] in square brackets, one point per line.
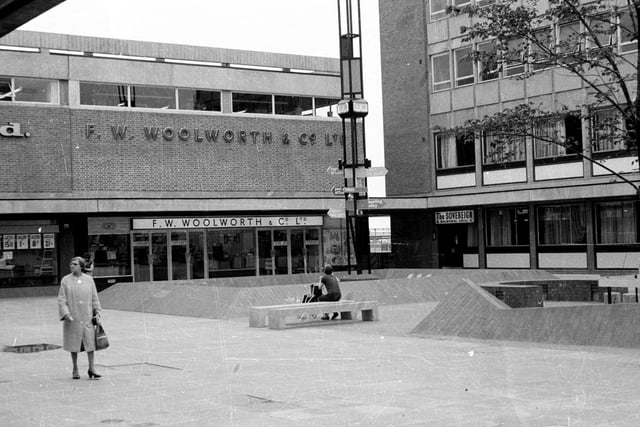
[456, 62]
[52, 84]
[560, 210]
[633, 219]
[438, 86]
[457, 143]
[513, 221]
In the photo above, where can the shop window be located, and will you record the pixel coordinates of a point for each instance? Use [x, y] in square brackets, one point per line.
[557, 138]
[294, 105]
[28, 90]
[628, 31]
[110, 254]
[108, 95]
[454, 151]
[325, 107]
[617, 223]
[488, 65]
[464, 66]
[231, 252]
[562, 225]
[252, 103]
[500, 148]
[507, 227]
[153, 97]
[440, 71]
[199, 100]
[607, 131]
[28, 259]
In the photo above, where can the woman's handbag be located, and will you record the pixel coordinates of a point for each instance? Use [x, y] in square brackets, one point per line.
[102, 341]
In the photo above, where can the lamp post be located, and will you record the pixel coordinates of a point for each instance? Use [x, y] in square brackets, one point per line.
[353, 108]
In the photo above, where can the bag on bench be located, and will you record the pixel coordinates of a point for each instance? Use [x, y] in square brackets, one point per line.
[315, 291]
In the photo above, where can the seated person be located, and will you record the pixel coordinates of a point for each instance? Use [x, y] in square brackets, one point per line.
[331, 286]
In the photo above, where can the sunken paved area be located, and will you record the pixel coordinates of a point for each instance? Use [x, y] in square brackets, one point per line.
[165, 370]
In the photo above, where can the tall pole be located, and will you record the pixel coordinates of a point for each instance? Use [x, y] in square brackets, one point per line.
[353, 107]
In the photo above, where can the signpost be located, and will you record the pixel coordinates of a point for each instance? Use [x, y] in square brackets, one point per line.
[338, 191]
[371, 172]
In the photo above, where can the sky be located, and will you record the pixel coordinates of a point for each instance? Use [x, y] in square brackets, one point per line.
[302, 27]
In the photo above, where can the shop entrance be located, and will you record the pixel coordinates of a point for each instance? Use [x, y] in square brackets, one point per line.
[452, 241]
[291, 251]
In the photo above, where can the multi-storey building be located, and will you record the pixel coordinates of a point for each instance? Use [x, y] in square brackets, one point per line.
[165, 162]
[543, 207]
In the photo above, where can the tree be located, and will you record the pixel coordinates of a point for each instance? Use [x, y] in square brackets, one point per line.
[597, 42]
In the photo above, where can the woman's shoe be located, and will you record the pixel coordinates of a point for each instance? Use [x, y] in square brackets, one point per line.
[93, 375]
[75, 376]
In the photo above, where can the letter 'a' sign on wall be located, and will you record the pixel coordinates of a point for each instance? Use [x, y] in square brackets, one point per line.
[455, 217]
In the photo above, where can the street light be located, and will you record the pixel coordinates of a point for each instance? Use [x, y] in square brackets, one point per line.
[353, 108]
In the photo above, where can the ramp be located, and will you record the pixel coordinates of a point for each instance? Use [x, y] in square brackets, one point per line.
[470, 311]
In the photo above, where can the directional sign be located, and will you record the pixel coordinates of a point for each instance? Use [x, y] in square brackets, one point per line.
[337, 213]
[334, 170]
[338, 191]
[375, 203]
[350, 190]
[371, 172]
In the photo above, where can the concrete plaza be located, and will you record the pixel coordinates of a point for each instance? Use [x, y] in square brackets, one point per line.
[164, 370]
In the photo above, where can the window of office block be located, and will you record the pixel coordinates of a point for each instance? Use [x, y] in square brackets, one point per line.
[28, 90]
[616, 223]
[109, 95]
[488, 64]
[507, 227]
[541, 49]
[513, 56]
[464, 66]
[441, 71]
[557, 138]
[628, 31]
[153, 97]
[570, 38]
[607, 131]
[454, 151]
[438, 9]
[294, 105]
[326, 107]
[562, 225]
[252, 103]
[499, 147]
[601, 31]
[199, 100]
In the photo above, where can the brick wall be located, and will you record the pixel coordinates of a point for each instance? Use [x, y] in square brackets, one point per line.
[75, 150]
[405, 95]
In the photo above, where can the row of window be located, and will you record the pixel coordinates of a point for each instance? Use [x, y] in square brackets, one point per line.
[550, 138]
[158, 97]
[616, 223]
[515, 56]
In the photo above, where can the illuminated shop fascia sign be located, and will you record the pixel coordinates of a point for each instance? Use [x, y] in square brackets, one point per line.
[225, 222]
[455, 217]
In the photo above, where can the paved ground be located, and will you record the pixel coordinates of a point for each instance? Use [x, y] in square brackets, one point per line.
[180, 371]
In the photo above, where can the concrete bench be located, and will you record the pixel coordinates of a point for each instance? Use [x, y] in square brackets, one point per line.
[258, 314]
[277, 317]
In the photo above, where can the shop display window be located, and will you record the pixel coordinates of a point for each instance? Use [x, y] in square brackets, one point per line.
[507, 227]
[28, 259]
[562, 225]
[231, 252]
[617, 223]
[110, 254]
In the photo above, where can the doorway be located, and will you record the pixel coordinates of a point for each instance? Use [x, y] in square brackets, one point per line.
[452, 242]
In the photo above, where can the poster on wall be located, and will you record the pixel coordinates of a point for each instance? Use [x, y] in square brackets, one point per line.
[35, 241]
[22, 241]
[9, 242]
[48, 241]
[335, 247]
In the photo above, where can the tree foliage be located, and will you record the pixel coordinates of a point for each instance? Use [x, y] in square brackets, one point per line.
[582, 38]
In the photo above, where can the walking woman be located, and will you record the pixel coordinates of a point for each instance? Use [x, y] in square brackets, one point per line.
[79, 308]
